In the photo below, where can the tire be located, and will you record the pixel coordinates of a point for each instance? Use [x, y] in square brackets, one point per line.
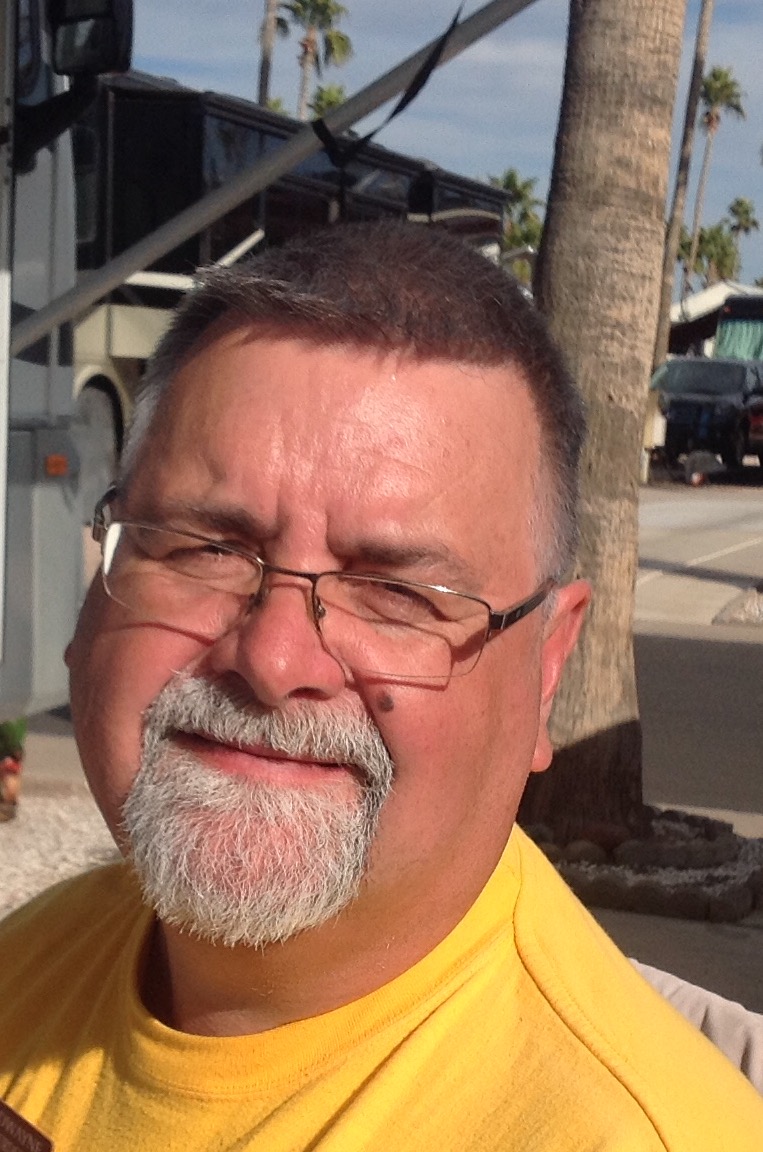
[97, 442]
[672, 449]
[734, 449]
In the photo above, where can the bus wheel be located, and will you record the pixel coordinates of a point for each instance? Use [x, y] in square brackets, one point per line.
[96, 436]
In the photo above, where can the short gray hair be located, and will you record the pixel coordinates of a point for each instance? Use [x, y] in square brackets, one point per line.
[392, 287]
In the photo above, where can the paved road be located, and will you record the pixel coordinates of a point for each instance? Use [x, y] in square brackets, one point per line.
[701, 683]
[701, 700]
[698, 549]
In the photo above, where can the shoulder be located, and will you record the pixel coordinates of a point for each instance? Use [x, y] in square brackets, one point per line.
[96, 883]
[68, 957]
[621, 1027]
[79, 914]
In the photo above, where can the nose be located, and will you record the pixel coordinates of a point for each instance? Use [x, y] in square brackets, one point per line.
[277, 648]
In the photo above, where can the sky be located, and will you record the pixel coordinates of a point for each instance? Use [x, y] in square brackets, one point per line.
[492, 108]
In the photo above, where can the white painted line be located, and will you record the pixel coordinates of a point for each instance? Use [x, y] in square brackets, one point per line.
[725, 551]
[688, 564]
[648, 577]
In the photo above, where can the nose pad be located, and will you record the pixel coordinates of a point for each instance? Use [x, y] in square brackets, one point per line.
[277, 647]
[255, 599]
[315, 609]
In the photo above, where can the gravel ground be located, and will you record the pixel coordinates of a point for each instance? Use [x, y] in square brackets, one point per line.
[51, 838]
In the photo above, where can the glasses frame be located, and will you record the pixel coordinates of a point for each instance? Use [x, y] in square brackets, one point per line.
[498, 620]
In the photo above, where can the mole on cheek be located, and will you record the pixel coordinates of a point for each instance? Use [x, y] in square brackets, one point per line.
[385, 702]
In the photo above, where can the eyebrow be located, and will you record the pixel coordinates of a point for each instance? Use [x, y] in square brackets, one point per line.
[449, 568]
[439, 563]
[225, 521]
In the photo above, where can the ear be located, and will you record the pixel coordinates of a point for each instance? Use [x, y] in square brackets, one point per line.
[560, 635]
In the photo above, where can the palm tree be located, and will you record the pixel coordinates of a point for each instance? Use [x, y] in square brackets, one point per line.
[321, 43]
[524, 225]
[720, 93]
[675, 225]
[522, 198]
[743, 219]
[684, 251]
[326, 97]
[718, 253]
[597, 279]
[273, 24]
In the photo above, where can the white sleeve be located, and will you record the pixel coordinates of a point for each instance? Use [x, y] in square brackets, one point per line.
[731, 1027]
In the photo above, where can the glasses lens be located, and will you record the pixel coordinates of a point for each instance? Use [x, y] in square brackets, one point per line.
[177, 579]
[396, 628]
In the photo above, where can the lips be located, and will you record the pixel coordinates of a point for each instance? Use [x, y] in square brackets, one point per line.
[261, 751]
[259, 761]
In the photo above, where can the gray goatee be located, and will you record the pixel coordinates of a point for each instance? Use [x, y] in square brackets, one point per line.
[237, 861]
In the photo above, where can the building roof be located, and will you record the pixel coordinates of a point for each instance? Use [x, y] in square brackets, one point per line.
[709, 300]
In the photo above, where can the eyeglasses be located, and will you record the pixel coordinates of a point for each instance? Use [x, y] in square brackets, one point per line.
[379, 625]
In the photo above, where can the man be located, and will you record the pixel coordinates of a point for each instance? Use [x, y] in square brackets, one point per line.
[308, 689]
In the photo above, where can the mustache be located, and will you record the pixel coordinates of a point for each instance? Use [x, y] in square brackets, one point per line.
[335, 734]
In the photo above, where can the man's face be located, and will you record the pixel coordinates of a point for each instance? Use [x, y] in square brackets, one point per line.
[330, 458]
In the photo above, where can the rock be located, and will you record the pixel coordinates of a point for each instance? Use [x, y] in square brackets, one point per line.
[689, 903]
[746, 608]
[755, 884]
[729, 904]
[608, 835]
[600, 889]
[551, 851]
[539, 833]
[584, 852]
[638, 853]
[652, 897]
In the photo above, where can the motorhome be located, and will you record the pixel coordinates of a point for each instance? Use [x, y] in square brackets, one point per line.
[146, 150]
[50, 55]
[53, 456]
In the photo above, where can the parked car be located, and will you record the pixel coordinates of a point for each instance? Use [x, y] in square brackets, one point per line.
[711, 405]
[755, 426]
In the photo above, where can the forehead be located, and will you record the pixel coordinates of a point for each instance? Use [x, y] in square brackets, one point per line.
[291, 422]
[243, 368]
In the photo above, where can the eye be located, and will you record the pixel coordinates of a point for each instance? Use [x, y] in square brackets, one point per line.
[398, 602]
[191, 556]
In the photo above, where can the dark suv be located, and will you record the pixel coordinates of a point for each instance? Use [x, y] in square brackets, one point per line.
[708, 404]
[755, 425]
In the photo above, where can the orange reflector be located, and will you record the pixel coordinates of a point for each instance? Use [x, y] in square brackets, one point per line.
[56, 464]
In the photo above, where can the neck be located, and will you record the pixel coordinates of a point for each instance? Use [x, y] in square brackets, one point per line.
[205, 989]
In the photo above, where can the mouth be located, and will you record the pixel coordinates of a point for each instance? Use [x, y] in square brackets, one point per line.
[259, 761]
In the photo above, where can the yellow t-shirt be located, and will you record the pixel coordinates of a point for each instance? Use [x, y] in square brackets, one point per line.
[524, 1029]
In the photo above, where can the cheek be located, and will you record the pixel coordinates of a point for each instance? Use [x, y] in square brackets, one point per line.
[462, 756]
[116, 671]
[435, 739]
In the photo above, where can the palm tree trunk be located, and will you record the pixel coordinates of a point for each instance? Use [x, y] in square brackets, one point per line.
[598, 280]
[267, 44]
[678, 207]
[698, 205]
[308, 55]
